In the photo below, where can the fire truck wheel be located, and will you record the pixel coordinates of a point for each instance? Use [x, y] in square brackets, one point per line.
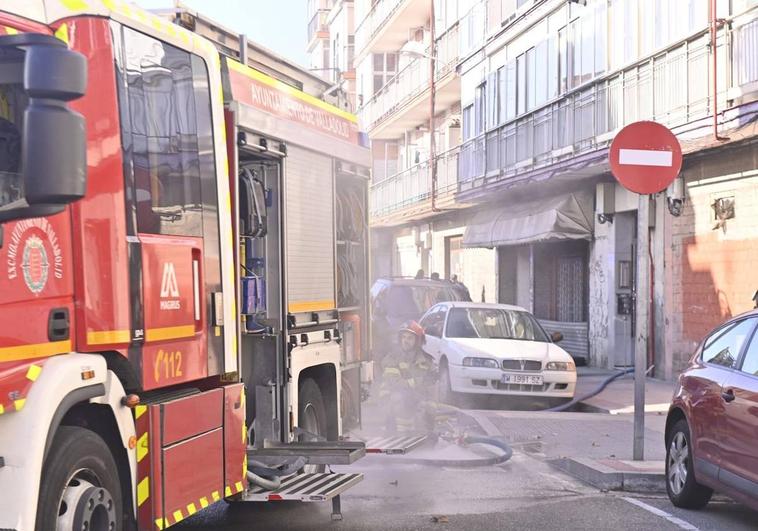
[80, 486]
[312, 416]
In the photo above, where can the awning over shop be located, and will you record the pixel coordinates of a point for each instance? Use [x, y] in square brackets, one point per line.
[567, 217]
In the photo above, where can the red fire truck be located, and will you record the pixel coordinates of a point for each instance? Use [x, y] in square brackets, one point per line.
[182, 274]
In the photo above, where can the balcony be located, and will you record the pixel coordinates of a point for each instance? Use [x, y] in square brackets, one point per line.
[403, 102]
[570, 135]
[317, 27]
[575, 131]
[407, 196]
[385, 27]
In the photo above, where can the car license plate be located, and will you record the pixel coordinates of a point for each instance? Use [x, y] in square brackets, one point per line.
[524, 379]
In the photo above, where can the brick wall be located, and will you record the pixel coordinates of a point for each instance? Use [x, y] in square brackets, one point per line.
[714, 269]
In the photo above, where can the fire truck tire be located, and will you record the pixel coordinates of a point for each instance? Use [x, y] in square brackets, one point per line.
[311, 413]
[80, 487]
[311, 409]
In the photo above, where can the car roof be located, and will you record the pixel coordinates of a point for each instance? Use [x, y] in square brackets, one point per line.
[485, 305]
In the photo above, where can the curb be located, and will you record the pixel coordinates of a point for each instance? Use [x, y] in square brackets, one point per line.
[620, 478]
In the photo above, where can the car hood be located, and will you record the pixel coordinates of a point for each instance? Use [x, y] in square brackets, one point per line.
[510, 349]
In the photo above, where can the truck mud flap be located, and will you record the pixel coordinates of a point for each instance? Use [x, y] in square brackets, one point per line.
[394, 445]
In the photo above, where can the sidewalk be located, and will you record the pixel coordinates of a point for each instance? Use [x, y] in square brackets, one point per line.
[618, 398]
[594, 445]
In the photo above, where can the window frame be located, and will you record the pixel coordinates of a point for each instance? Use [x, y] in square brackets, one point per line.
[126, 99]
[721, 332]
[430, 315]
[746, 348]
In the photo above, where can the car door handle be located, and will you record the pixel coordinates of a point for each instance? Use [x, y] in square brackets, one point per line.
[728, 396]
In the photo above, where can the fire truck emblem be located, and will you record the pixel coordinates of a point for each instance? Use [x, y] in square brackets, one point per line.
[35, 264]
[169, 288]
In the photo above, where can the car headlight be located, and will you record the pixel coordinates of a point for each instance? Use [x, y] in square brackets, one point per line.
[560, 366]
[487, 363]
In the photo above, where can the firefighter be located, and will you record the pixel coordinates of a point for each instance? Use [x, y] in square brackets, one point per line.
[408, 378]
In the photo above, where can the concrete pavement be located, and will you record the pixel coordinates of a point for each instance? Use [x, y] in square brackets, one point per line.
[618, 398]
[526, 493]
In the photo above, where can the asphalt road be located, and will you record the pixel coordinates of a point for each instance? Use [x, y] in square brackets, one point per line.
[525, 494]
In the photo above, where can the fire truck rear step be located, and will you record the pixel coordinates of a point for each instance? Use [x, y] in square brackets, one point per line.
[394, 445]
[308, 488]
[316, 453]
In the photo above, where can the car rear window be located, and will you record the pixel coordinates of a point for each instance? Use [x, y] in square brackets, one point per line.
[413, 301]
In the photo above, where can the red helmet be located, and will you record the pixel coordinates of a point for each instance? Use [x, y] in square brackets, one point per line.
[414, 328]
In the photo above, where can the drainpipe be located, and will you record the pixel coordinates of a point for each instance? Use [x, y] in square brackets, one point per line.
[714, 26]
[432, 105]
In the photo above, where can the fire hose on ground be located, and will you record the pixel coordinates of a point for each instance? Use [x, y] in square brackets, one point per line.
[600, 389]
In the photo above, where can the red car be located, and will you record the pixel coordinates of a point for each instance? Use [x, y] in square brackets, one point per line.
[712, 425]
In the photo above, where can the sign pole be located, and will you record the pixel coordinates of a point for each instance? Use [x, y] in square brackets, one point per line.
[645, 157]
[642, 305]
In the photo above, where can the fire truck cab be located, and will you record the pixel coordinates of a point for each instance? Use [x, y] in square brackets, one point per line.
[182, 288]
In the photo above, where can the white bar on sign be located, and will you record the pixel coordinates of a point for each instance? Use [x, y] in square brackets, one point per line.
[646, 157]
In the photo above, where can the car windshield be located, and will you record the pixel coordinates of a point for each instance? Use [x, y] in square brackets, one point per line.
[413, 301]
[493, 323]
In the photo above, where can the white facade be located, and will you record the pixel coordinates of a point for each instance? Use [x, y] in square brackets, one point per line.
[529, 95]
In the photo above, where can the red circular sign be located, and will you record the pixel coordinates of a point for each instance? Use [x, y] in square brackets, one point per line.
[645, 157]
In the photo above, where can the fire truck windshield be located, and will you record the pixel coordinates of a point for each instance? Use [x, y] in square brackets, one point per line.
[12, 105]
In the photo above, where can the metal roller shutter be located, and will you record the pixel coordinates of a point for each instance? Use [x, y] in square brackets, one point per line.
[310, 231]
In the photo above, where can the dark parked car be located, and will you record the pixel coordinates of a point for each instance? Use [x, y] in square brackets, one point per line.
[395, 301]
[712, 425]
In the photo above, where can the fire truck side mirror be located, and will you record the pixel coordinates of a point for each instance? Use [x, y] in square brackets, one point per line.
[52, 169]
[54, 142]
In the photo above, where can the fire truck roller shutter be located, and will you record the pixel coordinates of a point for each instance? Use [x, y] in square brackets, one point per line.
[310, 231]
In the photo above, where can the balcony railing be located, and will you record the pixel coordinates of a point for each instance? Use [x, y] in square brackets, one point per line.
[414, 186]
[410, 82]
[373, 21]
[671, 88]
[318, 23]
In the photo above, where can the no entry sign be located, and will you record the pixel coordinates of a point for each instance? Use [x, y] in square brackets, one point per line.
[645, 157]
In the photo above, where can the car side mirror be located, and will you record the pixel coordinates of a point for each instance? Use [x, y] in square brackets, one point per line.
[556, 337]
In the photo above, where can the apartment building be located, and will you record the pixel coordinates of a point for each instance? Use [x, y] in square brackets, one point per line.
[409, 95]
[518, 199]
[331, 31]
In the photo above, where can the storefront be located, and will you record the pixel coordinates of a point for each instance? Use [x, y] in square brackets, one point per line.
[543, 260]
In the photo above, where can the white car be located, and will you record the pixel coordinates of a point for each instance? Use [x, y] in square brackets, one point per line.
[496, 349]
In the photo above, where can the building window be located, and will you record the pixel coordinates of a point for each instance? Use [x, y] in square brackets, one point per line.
[521, 84]
[480, 108]
[553, 73]
[167, 133]
[492, 100]
[454, 257]
[467, 112]
[325, 56]
[510, 90]
[385, 68]
[502, 94]
[563, 60]
[531, 76]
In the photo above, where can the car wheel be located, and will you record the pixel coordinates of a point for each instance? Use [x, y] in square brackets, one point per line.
[683, 490]
[80, 487]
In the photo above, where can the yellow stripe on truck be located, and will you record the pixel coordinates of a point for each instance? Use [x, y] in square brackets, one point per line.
[290, 90]
[143, 491]
[311, 306]
[37, 350]
[169, 332]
